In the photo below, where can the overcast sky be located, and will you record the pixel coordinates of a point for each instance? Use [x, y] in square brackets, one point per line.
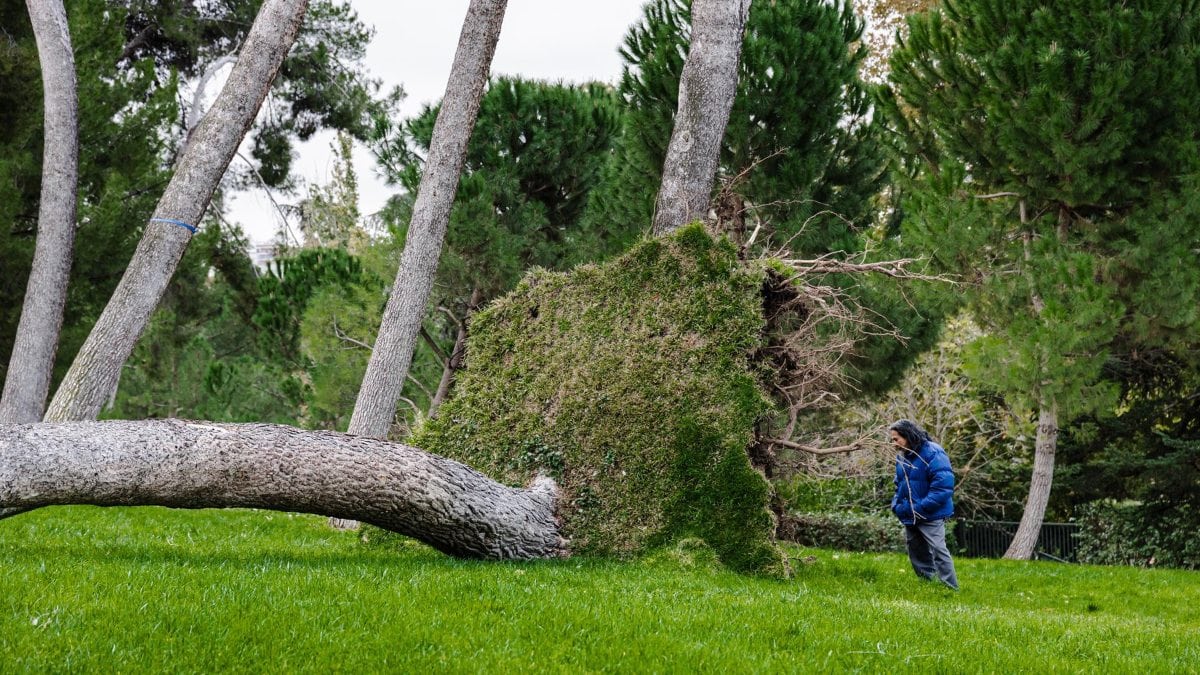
[569, 40]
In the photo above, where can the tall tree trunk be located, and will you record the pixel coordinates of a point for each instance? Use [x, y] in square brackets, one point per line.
[32, 362]
[93, 377]
[392, 354]
[1025, 541]
[1030, 527]
[707, 88]
[182, 464]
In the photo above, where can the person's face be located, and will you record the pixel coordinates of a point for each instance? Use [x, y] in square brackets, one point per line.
[898, 440]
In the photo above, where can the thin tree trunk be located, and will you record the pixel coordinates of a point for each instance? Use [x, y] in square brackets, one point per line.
[93, 377]
[182, 464]
[392, 355]
[457, 356]
[453, 364]
[707, 88]
[1025, 541]
[32, 362]
[1030, 527]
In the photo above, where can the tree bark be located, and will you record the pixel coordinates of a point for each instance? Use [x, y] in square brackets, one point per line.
[32, 362]
[93, 377]
[392, 355]
[1025, 541]
[707, 88]
[183, 464]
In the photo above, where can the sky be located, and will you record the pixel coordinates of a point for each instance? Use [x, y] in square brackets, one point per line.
[568, 40]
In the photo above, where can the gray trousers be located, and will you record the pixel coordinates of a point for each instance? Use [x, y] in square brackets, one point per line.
[928, 553]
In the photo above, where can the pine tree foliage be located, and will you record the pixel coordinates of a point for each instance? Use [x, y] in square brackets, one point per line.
[1056, 154]
[1084, 113]
[535, 154]
[800, 152]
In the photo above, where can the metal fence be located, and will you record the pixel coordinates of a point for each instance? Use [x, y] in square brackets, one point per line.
[990, 539]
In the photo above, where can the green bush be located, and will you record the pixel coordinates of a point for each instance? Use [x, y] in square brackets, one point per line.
[1142, 535]
[632, 384]
[846, 531]
[808, 494]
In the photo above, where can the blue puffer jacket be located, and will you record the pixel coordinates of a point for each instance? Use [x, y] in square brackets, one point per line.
[924, 485]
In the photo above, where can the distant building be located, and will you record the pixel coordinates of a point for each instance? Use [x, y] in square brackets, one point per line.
[261, 254]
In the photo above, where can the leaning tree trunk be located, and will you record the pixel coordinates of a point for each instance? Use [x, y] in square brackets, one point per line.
[1023, 544]
[93, 377]
[180, 464]
[707, 88]
[392, 354]
[32, 360]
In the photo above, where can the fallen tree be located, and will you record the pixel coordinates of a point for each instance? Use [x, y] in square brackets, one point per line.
[617, 405]
[192, 465]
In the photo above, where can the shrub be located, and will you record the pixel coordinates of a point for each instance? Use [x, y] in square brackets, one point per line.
[846, 531]
[1142, 535]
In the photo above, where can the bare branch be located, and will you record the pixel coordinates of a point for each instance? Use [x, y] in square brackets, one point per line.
[841, 449]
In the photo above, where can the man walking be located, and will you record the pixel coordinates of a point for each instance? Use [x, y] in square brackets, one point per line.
[923, 500]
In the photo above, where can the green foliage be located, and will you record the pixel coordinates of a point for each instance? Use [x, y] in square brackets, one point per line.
[124, 116]
[288, 286]
[631, 384]
[808, 493]
[1079, 124]
[130, 58]
[201, 357]
[1145, 535]
[337, 314]
[321, 84]
[534, 156]
[800, 148]
[1149, 450]
[844, 531]
[115, 590]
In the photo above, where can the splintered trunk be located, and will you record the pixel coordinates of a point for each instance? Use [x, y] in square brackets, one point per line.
[402, 317]
[174, 463]
[93, 377]
[707, 88]
[1025, 541]
[32, 362]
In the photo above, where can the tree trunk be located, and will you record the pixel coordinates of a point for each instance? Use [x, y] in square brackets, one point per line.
[174, 463]
[1023, 544]
[93, 377]
[392, 355]
[32, 362]
[457, 355]
[707, 88]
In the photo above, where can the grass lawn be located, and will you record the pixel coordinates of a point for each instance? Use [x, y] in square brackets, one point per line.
[128, 590]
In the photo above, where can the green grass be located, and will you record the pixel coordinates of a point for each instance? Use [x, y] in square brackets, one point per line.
[129, 590]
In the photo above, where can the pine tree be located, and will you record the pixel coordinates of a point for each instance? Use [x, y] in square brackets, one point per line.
[1056, 152]
[534, 157]
[535, 154]
[800, 153]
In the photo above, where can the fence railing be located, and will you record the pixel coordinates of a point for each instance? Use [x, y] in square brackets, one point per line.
[990, 539]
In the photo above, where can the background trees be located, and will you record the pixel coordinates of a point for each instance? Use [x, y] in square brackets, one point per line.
[798, 143]
[136, 63]
[1057, 161]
